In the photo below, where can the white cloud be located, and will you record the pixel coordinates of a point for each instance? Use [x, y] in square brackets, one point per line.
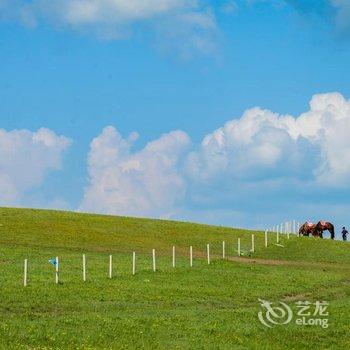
[143, 183]
[25, 159]
[315, 143]
[330, 117]
[259, 144]
[185, 25]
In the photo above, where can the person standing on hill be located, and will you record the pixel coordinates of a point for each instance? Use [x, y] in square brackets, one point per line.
[344, 233]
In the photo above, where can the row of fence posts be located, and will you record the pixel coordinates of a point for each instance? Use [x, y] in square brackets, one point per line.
[288, 228]
[110, 268]
[276, 229]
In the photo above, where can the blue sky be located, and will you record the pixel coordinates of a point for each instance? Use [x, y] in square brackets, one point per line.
[182, 69]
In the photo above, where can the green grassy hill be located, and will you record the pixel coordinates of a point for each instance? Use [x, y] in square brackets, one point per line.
[201, 307]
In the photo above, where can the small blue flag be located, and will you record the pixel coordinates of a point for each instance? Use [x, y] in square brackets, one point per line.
[53, 261]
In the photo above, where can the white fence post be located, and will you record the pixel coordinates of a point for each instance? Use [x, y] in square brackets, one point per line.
[191, 256]
[208, 254]
[57, 269]
[154, 259]
[133, 263]
[173, 256]
[239, 246]
[265, 238]
[84, 268]
[253, 244]
[277, 235]
[110, 266]
[25, 272]
[223, 250]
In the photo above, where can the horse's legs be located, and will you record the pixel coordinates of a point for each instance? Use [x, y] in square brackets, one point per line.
[316, 234]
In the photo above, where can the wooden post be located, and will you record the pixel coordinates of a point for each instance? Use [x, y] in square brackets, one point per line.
[208, 254]
[265, 238]
[239, 246]
[223, 250]
[191, 256]
[57, 269]
[154, 259]
[25, 272]
[253, 244]
[173, 256]
[133, 263]
[84, 268]
[110, 266]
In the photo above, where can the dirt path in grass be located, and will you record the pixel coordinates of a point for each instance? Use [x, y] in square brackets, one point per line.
[274, 262]
[307, 264]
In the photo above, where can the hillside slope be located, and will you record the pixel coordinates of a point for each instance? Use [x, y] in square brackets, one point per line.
[201, 307]
[46, 229]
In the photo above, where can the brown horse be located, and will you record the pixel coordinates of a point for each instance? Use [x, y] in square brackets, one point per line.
[307, 228]
[323, 226]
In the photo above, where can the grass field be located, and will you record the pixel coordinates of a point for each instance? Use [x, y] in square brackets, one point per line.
[204, 307]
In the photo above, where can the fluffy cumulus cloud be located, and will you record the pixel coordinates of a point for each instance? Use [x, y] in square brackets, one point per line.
[261, 152]
[25, 159]
[147, 182]
[314, 144]
[188, 21]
